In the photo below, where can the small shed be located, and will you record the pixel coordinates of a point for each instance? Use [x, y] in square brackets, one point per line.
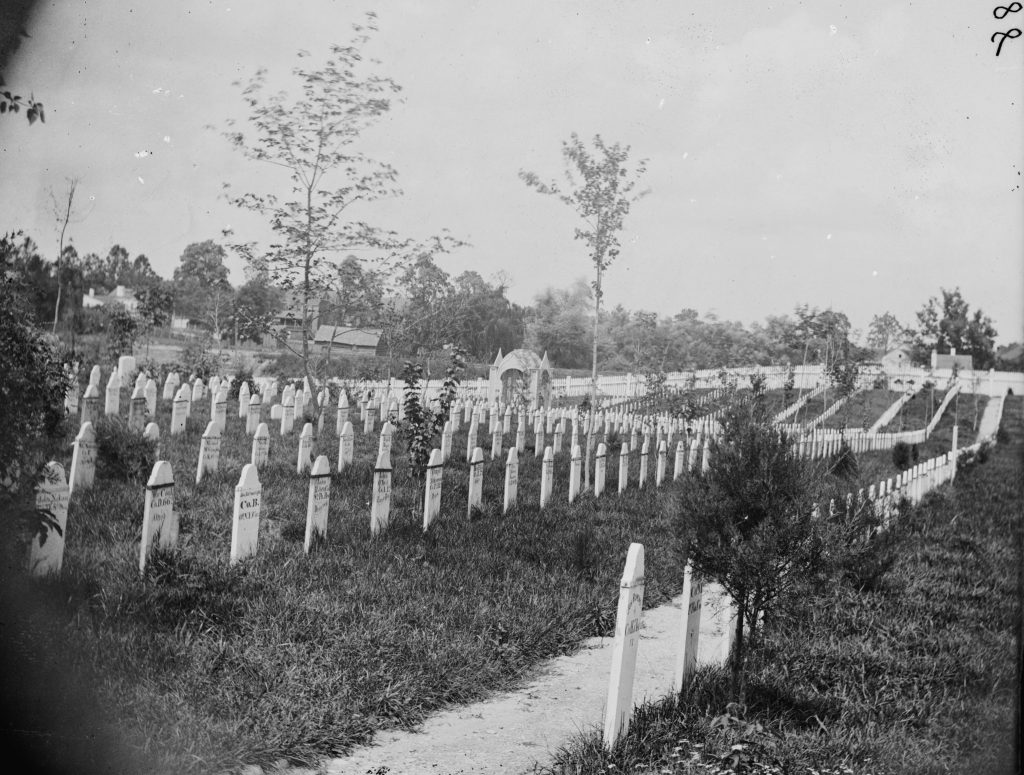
[347, 339]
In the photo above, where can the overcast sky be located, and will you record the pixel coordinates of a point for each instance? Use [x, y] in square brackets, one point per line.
[856, 155]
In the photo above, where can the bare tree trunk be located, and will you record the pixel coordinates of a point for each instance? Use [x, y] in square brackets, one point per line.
[72, 185]
[593, 381]
[737, 657]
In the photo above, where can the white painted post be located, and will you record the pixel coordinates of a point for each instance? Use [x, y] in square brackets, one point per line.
[476, 481]
[511, 479]
[52, 495]
[686, 659]
[662, 464]
[386, 436]
[623, 466]
[432, 489]
[245, 520]
[209, 451]
[179, 411]
[341, 417]
[159, 522]
[547, 476]
[680, 460]
[521, 433]
[371, 418]
[628, 622]
[260, 446]
[318, 502]
[220, 409]
[380, 510]
[538, 437]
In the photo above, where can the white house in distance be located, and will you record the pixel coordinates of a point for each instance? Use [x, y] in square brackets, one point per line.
[121, 295]
[897, 359]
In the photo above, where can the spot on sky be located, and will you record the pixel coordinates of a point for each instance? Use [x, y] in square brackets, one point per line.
[167, 138]
[143, 154]
[832, 29]
[828, 236]
[661, 103]
[685, 154]
[161, 90]
[874, 273]
[142, 181]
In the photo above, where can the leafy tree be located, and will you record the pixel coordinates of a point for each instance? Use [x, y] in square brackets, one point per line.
[32, 387]
[255, 307]
[558, 324]
[601, 188]
[949, 323]
[749, 521]
[202, 290]
[156, 304]
[886, 332]
[313, 139]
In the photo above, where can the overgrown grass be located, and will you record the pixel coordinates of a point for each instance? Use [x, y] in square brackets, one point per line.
[861, 410]
[909, 664]
[200, 667]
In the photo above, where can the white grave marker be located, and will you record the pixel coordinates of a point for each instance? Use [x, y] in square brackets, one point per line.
[623, 466]
[90, 404]
[244, 395]
[305, 457]
[83, 459]
[547, 476]
[113, 397]
[511, 479]
[380, 510]
[575, 468]
[179, 411]
[346, 446]
[137, 410]
[209, 451]
[476, 481]
[318, 502]
[245, 521]
[253, 414]
[628, 622]
[46, 551]
[260, 446]
[432, 493]
[600, 469]
[159, 522]
[686, 660]
[662, 464]
[342, 415]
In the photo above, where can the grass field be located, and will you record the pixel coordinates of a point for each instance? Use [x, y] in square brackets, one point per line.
[861, 410]
[910, 664]
[199, 666]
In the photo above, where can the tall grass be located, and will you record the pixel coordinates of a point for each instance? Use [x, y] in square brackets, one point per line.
[198, 666]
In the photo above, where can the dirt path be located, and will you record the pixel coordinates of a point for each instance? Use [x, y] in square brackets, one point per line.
[512, 731]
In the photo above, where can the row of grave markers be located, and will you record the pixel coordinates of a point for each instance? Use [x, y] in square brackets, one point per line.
[912, 484]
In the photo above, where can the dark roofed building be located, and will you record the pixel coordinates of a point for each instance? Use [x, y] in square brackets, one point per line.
[348, 339]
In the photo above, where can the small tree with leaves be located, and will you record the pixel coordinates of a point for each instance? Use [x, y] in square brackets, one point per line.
[601, 187]
[313, 139]
[749, 524]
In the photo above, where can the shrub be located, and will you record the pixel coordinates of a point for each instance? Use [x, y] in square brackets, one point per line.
[197, 358]
[123, 454]
[901, 455]
[242, 374]
[844, 463]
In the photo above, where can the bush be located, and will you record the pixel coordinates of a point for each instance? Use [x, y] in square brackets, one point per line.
[197, 358]
[844, 463]
[123, 454]
[901, 455]
[242, 374]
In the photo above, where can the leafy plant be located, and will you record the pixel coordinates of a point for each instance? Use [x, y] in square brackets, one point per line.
[123, 454]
